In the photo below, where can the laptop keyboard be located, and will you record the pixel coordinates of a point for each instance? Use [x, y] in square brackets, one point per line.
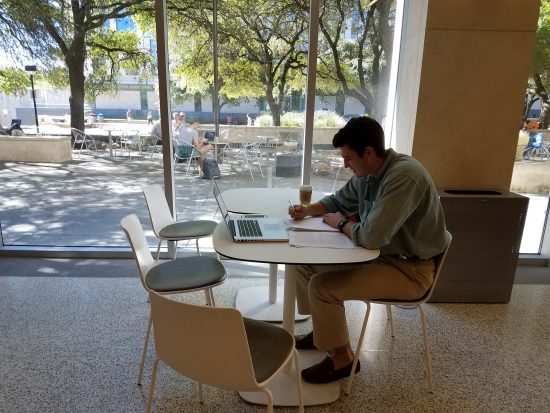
[249, 228]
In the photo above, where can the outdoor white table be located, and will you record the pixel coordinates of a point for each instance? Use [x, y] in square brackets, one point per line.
[218, 144]
[263, 303]
[283, 385]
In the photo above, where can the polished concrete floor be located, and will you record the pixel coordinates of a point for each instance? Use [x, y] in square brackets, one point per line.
[71, 334]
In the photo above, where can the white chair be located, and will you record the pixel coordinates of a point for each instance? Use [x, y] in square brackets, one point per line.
[128, 140]
[439, 260]
[218, 347]
[83, 140]
[249, 151]
[166, 227]
[172, 276]
[155, 145]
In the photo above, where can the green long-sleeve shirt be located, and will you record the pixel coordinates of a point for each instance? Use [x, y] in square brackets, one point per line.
[398, 208]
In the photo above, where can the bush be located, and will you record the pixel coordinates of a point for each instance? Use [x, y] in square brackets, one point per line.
[321, 119]
[263, 120]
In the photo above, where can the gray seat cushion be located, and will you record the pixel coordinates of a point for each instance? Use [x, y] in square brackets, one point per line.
[185, 274]
[188, 229]
[269, 347]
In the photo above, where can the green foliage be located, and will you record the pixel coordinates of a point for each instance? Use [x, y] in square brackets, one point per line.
[539, 80]
[71, 35]
[13, 81]
[321, 119]
[541, 53]
[264, 120]
[110, 52]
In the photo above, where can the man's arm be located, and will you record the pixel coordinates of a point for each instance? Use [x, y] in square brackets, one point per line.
[299, 212]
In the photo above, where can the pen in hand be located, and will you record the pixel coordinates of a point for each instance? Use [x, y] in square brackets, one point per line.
[291, 204]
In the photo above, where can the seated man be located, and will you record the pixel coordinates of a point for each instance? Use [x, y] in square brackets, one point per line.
[390, 203]
[156, 133]
[190, 135]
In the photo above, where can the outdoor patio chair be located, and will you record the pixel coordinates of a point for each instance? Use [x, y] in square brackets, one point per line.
[249, 151]
[439, 261]
[218, 347]
[128, 139]
[155, 144]
[172, 276]
[187, 153]
[83, 140]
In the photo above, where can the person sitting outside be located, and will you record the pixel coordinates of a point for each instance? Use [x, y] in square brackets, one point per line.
[190, 136]
[536, 139]
[178, 123]
[390, 203]
[156, 133]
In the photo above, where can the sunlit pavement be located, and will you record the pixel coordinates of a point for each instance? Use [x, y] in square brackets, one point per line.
[81, 202]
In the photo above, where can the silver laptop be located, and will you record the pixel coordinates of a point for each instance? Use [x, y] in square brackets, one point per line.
[251, 228]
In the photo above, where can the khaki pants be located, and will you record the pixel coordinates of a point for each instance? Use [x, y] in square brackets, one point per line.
[322, 289]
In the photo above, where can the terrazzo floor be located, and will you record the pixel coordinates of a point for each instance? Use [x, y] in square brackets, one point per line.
[71, 333]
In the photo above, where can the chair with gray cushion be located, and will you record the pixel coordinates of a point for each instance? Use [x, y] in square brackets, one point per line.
[172, 276]
[232, 352]
[439, 261]
[166, 227]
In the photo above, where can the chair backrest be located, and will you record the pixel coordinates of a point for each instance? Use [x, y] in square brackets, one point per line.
[186, 150]
[204, 343]
[78, 134]
[140, 248]
[158, 207]
[130, 135]
[439, 261]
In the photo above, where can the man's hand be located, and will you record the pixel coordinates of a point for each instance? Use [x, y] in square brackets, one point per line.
[332, 219]
[297, 212]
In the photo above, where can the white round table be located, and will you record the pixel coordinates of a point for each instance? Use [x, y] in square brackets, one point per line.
[263, 303]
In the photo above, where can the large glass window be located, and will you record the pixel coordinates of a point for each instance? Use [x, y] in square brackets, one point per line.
[532, 164]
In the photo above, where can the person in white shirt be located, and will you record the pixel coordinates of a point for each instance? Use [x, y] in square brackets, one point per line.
[156, 133]
[190, 136]
[178, 123]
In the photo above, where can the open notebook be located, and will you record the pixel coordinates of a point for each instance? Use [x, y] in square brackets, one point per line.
[252, 228]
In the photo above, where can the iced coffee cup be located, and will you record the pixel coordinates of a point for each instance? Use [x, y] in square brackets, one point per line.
[305, 195]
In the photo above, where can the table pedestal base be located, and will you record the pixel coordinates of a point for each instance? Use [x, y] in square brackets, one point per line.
[284, 389]
[253, 302]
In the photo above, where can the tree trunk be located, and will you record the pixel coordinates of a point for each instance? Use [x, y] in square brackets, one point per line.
[274, 106]
[544, 115]
[198, 102]
[340, 103]
[541, 92]
[75, 64]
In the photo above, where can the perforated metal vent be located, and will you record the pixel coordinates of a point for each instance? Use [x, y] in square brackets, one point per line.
[481, 263]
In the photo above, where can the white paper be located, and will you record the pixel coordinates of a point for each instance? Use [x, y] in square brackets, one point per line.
[319, 239]
[309, 224]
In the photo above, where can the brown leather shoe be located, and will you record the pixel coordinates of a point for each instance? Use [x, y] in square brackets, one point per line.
[305, 342]
[324, 372]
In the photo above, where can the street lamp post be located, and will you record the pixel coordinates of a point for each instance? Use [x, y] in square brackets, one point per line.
[32, 70]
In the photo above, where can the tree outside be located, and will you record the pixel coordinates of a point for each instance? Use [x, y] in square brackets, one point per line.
[262, 49]
[539, 78]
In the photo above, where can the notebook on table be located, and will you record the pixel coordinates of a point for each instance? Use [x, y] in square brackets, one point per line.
[251, 228]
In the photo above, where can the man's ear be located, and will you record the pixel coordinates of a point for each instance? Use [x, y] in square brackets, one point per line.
[368, 151]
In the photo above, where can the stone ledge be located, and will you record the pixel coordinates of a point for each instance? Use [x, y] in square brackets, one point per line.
[28, 148]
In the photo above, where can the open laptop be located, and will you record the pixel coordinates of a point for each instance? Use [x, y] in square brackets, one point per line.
[251, 228]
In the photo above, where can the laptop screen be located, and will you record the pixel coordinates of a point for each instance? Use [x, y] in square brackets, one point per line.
[221, 204]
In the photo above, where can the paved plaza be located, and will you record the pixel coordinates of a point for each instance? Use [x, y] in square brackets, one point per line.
[80, 203]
